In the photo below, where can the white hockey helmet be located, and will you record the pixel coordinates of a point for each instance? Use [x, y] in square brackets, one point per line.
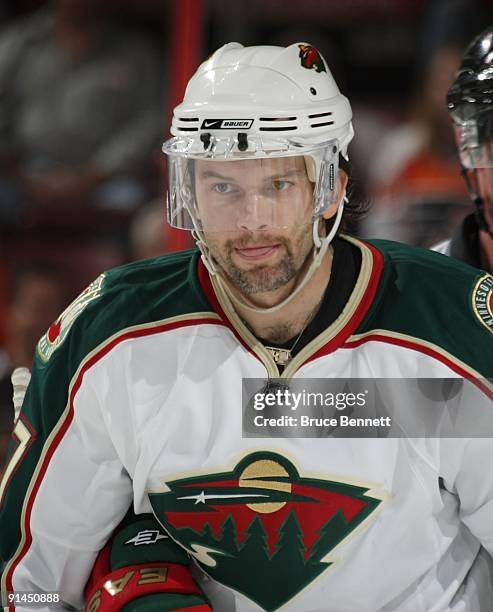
[258, 103]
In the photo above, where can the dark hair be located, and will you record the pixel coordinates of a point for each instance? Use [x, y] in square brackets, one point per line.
[355, 209]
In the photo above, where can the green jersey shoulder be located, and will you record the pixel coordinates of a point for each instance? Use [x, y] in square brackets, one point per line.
[436, 299]
[134, 294]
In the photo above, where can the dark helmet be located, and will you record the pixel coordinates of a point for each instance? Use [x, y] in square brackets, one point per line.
[470, 98]
[470, 104]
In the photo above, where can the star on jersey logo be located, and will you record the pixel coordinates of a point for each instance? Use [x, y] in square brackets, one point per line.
[262, 528]
[146, 536]
[202, 498]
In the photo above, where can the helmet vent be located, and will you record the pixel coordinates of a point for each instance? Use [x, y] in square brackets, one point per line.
[277, 118]
[315, 125]
[278, 129]
[187, 120]
[317, 115]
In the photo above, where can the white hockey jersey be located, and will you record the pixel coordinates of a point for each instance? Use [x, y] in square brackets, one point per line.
[136, 398]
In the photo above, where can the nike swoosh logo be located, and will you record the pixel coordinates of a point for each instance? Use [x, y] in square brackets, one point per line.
[211, 123]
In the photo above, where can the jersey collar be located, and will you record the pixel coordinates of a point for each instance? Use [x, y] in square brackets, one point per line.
[325, 343]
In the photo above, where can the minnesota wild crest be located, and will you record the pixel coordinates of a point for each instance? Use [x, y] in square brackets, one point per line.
[262, 529]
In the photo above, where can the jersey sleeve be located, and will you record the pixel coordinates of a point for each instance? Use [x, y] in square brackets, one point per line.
[65, 488]
[142, 569]
[468, 475]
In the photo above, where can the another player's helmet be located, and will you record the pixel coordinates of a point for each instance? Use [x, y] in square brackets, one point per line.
[470, 103]
[257, 103]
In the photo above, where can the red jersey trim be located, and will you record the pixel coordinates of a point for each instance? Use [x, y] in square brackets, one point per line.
[362, 308]
[208, 289]
[433, 351]
[33, 435]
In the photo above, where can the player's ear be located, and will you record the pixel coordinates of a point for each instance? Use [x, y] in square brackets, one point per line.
[342, 180]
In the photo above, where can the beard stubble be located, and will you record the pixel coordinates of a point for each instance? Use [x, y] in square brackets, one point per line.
[263, 278]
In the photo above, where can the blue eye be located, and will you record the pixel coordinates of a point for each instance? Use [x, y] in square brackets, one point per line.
[222, 187]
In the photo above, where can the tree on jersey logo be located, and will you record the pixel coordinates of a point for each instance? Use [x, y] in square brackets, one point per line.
[262, 529]
[311, 58]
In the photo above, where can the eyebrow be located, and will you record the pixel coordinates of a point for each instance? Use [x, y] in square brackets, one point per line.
[210, 174]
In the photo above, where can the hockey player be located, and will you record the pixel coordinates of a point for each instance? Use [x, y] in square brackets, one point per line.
[135, 398]
[470, 103]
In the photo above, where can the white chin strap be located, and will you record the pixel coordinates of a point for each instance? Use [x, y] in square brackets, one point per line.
[320, 248]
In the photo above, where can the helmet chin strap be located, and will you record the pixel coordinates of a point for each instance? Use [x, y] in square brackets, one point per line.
[320, 246]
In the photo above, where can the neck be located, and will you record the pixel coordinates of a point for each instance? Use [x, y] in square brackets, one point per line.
[285, 323]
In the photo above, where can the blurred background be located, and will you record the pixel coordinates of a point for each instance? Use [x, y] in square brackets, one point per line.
[87, 89]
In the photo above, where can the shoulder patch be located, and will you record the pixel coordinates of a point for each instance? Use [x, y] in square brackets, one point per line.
[58, 330]
[482, 301]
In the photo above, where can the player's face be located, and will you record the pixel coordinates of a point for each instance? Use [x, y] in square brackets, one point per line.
[262, 210]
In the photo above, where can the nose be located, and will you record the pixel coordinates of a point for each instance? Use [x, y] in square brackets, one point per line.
[254, 213]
